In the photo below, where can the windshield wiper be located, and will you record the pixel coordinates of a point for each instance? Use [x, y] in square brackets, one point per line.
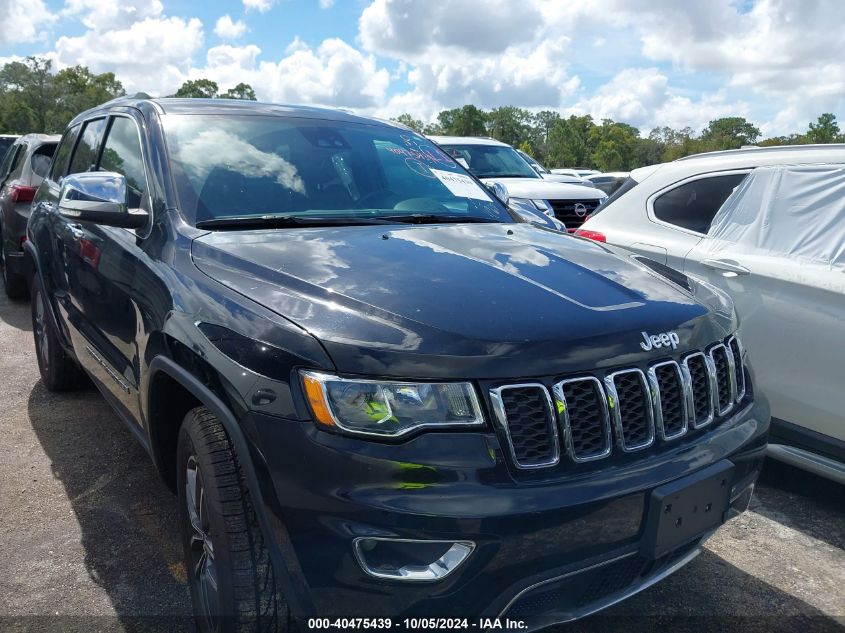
[280, 221]
[435, 218]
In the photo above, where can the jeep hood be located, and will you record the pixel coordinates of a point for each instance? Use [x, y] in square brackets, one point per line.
[469, 300]
[546, 189]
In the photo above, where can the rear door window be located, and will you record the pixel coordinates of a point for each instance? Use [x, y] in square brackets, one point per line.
[61, 159]
[85, 154]
[40, 161]
[693, 204]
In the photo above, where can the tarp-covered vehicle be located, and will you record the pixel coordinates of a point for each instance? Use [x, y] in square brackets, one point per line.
[777, 246]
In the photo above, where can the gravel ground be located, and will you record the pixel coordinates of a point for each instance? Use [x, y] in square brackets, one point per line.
[88, 538]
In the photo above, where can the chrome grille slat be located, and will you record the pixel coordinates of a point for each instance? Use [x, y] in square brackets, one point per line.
[631, 409]
[735, 347]
[724, 376]
[528, 422]
[669, 391]
[700, 395]
[586, 432]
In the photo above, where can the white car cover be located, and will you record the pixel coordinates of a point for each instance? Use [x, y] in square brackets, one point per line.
[797, 211]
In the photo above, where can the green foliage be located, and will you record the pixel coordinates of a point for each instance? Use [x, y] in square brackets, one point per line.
[465, 121]
[824, 130]
[411, 122]
[198, 89]
[33, 99]
[729, 133]
[241, 91]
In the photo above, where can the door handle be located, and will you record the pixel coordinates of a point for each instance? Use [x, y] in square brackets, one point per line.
[726, 267]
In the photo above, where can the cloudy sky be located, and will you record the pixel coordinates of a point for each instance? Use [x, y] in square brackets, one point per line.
[779, 63]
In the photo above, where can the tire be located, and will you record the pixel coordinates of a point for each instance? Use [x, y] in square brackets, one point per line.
[58, 370]
[13, 284]
[231, 577]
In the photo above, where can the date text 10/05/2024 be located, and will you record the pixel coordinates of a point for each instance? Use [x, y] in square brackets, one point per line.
[410, 624]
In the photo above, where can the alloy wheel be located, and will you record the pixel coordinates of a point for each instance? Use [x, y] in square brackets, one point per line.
[203, 570]
[42, 341]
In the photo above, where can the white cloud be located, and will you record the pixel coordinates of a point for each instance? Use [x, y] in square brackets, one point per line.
[262, 6]
[103, 15]
[410, 29]
[229, 29]
[333, 74]
[326, 4]
[150, 55]
[22, 21]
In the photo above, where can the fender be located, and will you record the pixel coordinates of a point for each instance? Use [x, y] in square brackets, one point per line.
[275, 533]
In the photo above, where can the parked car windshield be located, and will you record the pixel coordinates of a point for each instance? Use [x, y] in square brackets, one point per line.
[310, 170]
[492, 161]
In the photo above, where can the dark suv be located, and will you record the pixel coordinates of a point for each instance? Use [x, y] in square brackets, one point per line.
[376, 392]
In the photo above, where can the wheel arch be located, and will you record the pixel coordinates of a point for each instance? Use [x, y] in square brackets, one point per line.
[174, 375]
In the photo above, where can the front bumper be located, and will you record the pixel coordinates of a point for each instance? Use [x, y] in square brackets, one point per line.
[547, 550]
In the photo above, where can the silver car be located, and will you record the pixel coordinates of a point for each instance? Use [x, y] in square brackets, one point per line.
[777, 247]
[26, 163]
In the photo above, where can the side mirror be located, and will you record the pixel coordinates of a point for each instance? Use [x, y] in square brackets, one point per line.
[99, 197]
[500, 191]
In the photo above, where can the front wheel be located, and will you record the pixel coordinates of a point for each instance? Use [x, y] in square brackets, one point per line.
[59, 372]
[231, 576]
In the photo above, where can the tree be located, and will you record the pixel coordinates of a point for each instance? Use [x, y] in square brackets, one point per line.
[465, 121]
[614, 146]
[729, 133]
[569, 142]
[406, 119]
[77, 89]
[509, 124]
[28, 94]
[198, 89]
[824, 130]
[241, 91]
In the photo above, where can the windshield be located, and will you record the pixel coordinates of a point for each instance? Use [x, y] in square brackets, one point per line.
[626, 186]
[249, 167]
[492, 161]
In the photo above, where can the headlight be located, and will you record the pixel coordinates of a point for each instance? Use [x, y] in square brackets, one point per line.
[519, 204]
[389, 409]
[544, 206]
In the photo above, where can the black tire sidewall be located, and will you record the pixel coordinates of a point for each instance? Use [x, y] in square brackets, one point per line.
[48, 375]
[192, 442]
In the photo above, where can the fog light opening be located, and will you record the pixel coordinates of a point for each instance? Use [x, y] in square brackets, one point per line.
[409, 559]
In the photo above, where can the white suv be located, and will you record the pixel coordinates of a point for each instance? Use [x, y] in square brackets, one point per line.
[492, 162]
[664, 210]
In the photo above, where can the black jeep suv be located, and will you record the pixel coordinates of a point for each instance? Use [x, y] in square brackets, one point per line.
[376, 392]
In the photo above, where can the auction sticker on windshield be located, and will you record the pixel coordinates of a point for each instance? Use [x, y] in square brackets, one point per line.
[460, 184]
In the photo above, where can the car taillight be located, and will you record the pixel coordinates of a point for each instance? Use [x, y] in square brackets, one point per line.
[596, 236]
[23, 240]
[22, 194]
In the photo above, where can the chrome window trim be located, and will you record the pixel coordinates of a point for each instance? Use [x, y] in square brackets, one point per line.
[616, 414]
[691, 396]
[563, 418]
[739, 372]
[502, 420]
[658, 407]
[731, 379]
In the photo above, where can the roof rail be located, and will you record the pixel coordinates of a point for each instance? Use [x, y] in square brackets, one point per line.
[135, 97]
[769, 148]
